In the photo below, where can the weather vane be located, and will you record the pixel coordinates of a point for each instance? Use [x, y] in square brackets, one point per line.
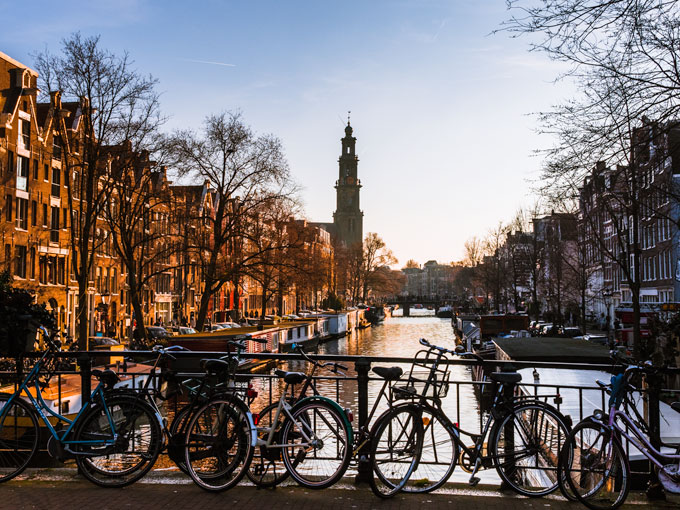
[348, 112]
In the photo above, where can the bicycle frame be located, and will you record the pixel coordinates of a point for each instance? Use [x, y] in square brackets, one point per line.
[637, 438]
[41, 406]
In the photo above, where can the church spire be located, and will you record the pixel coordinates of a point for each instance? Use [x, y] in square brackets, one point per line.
[348, 218]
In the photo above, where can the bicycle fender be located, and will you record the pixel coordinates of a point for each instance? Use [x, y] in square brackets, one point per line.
[336, 406]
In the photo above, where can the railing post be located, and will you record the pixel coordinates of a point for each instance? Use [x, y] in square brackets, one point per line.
[654, 489]
[362, 366]
[84, 363]
[509, 430]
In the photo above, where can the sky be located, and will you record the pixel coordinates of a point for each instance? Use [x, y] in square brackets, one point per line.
[441, 107]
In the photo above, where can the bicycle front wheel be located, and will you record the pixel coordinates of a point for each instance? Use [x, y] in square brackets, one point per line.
[118, 441]
[177, 433]
[526, 444]
[316, 444]
[19, 434]
[218, 449]
[438, 457]
[597, 471]
[396, 446]
[267, 468]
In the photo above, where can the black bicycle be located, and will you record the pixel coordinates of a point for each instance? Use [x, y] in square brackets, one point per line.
[523, 435]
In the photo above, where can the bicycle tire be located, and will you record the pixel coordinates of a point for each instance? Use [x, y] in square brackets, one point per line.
[439, 454]
[177, 432]
[218, 448]
[395, 449]
[565, 460]
[323, 461]
[19, 434]
[529, 469]
[267, 468]
[138, 445]
[599, 474]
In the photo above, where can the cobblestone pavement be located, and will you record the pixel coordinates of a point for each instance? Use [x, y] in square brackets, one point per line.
[81, 495]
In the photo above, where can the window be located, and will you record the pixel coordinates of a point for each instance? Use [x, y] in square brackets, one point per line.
[43, 269]
[8, 255]
[10, 162]
[20, 266]
[56, 148]
[22, 173]
[22, 214]
[8, 207]
[46, 170]
[98, 283]
[31, 264]
[65, 223]
[54, 228]
[25, 138]
[35, 169]
[56, 182]
[61, 271]
[45, 221]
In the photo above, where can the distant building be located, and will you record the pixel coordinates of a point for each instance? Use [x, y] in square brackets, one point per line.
[433, 280]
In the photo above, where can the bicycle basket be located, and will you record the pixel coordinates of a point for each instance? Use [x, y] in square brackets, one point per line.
[428, 378]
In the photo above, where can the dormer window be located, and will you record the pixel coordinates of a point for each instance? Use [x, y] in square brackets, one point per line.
[25, 136]
[56, 148]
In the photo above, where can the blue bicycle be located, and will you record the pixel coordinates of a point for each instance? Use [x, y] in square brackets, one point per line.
[115, 438]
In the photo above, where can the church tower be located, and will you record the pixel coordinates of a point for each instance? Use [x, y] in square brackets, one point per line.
[348, 218]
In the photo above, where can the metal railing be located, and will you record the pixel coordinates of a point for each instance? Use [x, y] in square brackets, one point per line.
[354, 389]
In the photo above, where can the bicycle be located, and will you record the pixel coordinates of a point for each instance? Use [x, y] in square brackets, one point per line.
[311, 436]
[524, 434]
[115, 438]
[596, 467]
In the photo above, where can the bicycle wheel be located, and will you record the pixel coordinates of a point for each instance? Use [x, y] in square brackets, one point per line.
[118, 441]
[438, 454]
[218, 449]
[19, 435]
[267, 468]
[317, 444]
[525, 445]
[395, 449]
[565, 461]
[177, 432]
[598, 472]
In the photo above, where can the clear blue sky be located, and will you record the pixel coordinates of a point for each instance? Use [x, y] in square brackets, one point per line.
[440, 108]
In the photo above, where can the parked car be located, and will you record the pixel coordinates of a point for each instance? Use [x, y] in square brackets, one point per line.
[157, 333]
[548, 329]
[570, 332]
[97, 341]
[227, 325]
[186, 330]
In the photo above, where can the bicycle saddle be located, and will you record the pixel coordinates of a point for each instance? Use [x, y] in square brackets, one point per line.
[676, 406]
[290, 377]
[388, 373]
[505, 377]
[108, 377]
[215, 366]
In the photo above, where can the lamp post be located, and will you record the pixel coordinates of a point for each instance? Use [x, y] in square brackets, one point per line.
[106, 300]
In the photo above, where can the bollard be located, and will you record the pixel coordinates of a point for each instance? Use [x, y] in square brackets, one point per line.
[84, 363]
[364, 471]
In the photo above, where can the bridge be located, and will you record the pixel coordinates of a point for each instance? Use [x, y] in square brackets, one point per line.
[408, 302]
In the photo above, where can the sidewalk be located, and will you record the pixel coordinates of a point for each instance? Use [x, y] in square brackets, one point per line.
[67, 492]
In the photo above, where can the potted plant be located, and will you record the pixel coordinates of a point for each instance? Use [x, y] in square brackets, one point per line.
[20, 317]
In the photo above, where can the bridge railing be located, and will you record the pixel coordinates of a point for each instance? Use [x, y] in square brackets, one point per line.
[464, 404]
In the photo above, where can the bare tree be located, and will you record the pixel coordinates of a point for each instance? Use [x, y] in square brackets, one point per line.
[246, 172]
[115, 103]
[375, 256]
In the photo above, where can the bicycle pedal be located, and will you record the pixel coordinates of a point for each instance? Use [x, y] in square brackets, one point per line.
[474, 481]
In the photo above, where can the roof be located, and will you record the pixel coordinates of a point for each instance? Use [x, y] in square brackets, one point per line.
[565, 350]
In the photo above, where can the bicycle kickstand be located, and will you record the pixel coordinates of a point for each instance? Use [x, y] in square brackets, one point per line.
[474, 480]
